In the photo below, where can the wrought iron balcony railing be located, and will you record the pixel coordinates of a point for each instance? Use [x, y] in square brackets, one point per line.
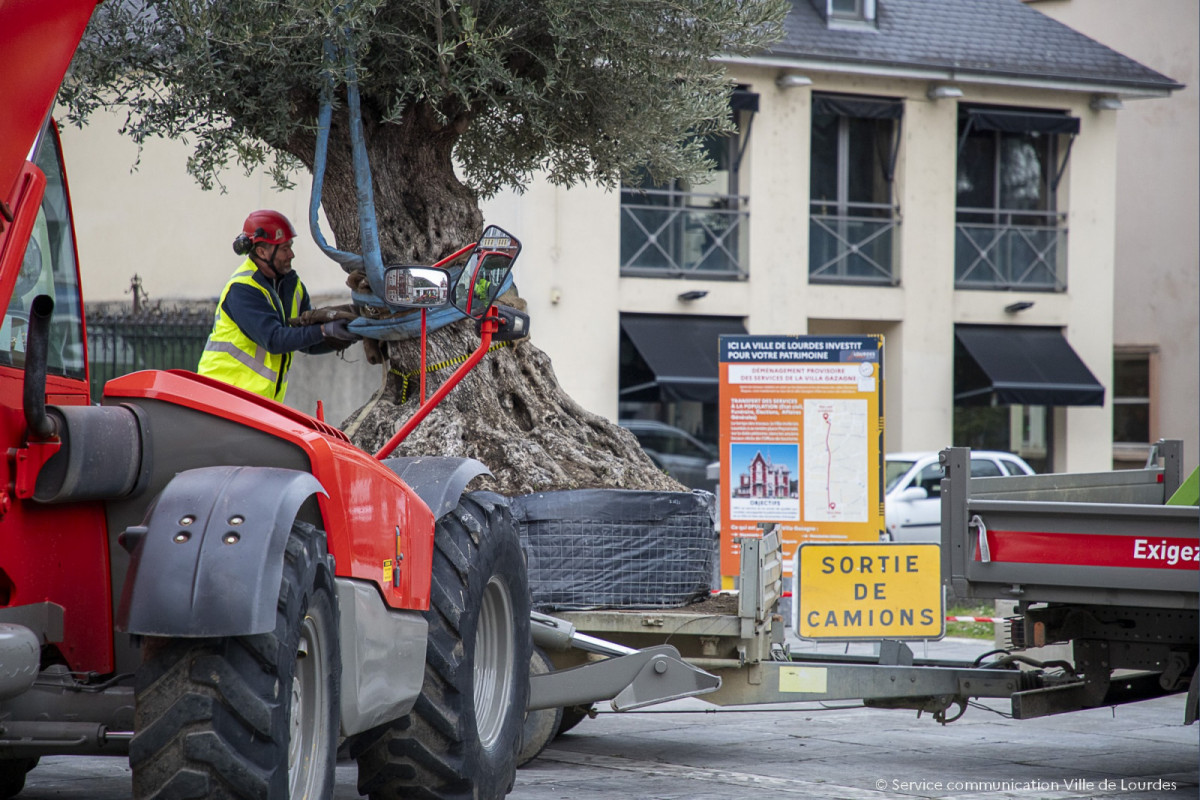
[683, 234]
[1006, 249]
[853, 247]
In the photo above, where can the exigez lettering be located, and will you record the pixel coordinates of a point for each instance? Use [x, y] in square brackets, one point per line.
[1171, 554]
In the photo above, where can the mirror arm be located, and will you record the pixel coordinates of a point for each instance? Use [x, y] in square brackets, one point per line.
[489, 327]
[424, 347]
[462, 251]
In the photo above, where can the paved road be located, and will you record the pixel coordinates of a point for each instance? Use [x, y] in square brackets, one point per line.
[688, 750]
[862, 754]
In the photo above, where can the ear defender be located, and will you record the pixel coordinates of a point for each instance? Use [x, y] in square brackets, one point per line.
[242, 244]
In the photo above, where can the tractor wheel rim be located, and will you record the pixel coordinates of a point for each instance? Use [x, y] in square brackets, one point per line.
[309, 725]
[493, 661]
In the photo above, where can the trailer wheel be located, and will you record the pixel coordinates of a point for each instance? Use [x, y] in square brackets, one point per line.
[541, 726]
[12, 775]
[462, 737]
[573, 715]
[249, 716]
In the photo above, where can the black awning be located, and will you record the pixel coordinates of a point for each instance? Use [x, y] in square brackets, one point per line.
[1016, 365]
[988, 119]
[849, 105]
[744, 100]
[681, 351]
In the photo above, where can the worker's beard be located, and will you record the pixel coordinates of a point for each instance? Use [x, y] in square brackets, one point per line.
[280, 269]
[272, 270]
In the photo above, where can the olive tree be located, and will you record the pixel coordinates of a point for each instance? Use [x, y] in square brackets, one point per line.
[460, 98]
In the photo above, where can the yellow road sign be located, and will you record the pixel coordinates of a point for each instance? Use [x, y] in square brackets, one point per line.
[868, 591]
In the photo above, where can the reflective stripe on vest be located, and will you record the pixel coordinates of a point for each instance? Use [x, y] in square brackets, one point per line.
[235, 358]
[252, 362]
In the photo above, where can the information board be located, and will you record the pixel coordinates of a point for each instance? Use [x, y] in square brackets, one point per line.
[868, 591]
[801, 440]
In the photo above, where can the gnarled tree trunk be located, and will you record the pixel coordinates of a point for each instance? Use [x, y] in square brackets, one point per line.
[424, 212]
[510, 412]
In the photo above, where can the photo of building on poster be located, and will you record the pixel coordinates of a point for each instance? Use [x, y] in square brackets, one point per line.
[765, 483]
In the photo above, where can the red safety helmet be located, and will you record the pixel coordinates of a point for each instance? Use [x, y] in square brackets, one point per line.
[268, 227]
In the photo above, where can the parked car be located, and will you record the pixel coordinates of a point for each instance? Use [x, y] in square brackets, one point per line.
[913, 490]
[681, 455]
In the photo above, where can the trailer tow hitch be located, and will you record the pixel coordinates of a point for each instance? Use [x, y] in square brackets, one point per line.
[628, 678]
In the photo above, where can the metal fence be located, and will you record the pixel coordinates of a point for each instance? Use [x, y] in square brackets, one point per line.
[124, 342]
[683, 234]
[1010, 250]
[854, 246]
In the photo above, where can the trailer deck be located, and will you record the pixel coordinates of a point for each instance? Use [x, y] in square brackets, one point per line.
[1039, 540]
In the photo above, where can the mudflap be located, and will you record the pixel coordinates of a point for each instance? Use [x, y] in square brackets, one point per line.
[438, 480]
[208, 559]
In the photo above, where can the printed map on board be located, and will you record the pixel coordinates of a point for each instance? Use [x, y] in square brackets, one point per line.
[835, 460]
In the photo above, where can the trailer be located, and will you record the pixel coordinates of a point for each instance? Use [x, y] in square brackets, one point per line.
[1132, 622]
[1101, 561]
[734, 649]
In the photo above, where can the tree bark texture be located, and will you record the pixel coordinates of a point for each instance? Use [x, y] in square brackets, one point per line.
[424, 212]
[509, 413]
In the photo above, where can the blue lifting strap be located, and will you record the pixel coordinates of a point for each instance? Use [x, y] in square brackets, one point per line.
[349, 261]
[371, 261]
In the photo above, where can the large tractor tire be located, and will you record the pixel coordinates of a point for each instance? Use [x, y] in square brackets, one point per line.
[251, 716]
[462, 737]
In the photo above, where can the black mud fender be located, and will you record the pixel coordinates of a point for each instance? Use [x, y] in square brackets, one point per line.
[208, 559]
[438, 480]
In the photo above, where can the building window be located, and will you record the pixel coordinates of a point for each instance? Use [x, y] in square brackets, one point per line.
[851, 9]
[1133, 407]
[849, 13]
[48, 268]
[1027, 431]
[692, 230]
[852, 216]
[1010, 233]
[669, 376]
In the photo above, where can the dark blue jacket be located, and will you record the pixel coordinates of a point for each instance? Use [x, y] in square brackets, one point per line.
[266, 326]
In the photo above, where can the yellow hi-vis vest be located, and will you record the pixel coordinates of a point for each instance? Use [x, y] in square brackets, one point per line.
[235, 358]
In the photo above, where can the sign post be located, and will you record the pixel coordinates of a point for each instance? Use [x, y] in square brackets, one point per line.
[801, 440]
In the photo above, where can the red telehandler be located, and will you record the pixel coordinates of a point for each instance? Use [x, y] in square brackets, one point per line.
[222, 588]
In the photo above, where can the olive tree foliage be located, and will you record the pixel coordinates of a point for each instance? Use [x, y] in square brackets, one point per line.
[460, 98]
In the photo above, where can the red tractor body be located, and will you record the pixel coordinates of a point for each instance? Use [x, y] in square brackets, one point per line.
[218, 586]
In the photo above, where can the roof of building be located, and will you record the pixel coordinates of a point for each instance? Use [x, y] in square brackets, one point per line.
[965, 37]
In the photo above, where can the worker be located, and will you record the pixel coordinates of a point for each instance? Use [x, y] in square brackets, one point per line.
[251, 343]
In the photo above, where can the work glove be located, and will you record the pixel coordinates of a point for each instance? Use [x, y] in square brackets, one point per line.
[338, 335]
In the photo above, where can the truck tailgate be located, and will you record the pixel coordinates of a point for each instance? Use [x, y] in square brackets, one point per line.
[1126, 554]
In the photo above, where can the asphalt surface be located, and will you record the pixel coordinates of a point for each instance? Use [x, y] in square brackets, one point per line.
[689, 749]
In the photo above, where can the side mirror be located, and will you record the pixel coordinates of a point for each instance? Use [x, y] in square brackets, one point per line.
[485, 272]
[913, 493]
[416, 287]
